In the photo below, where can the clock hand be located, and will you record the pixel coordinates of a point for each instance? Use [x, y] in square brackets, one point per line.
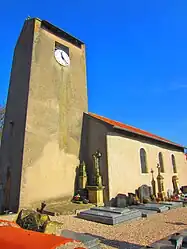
[63, 58]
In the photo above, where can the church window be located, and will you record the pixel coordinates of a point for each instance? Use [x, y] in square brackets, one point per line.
[143, 161]
[174, 164]
[161, 162]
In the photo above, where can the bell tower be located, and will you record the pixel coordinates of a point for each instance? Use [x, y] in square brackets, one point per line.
[46, 101]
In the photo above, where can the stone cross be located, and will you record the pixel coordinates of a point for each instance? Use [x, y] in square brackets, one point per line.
[159, 169]
[96, 161]
[96, 158]
[82, 169]
[152, 172]
[153, 183]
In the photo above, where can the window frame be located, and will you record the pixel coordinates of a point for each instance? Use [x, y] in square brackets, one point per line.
[161, 162]
[143, 161]
[173, 161]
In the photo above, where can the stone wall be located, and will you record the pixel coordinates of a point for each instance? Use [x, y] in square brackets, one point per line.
[94, 138]
[12, 144]
[50, 102]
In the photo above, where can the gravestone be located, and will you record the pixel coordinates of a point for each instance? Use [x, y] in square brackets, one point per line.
[144, 193]
[150, 190]
[89, 241]
[184, 189]
[110, 215]
[122, 200]
[131, 197]
[169, 193]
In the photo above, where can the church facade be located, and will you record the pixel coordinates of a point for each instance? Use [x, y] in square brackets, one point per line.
[130, 156]
[48, 130]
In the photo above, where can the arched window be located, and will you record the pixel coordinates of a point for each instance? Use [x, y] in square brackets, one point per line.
[174, 164]
[143, 161]
[161, 162]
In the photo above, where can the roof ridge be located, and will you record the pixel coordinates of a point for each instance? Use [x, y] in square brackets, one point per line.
[133, 129]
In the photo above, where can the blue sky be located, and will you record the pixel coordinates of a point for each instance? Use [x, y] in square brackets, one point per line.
[136, 56]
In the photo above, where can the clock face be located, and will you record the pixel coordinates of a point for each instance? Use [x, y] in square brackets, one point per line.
[62, 57]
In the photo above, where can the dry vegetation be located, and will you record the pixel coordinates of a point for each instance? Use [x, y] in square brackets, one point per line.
[63, 206]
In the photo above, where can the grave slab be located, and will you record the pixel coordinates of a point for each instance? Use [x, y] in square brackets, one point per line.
[161, 246]
[146, 213]
[112, 217]
[172, 204]
[112, 209]
[89, 241]
[170, 241]
[151, 206]
[184, 202]
[184, 234]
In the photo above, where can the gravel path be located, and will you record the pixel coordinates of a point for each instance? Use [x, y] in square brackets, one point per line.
[133, 234]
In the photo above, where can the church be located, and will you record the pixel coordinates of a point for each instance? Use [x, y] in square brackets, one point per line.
[48, 130]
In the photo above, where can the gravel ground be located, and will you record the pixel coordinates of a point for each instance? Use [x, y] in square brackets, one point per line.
[133, 234]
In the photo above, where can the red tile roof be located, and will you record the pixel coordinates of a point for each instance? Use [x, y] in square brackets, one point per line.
[132, 129]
